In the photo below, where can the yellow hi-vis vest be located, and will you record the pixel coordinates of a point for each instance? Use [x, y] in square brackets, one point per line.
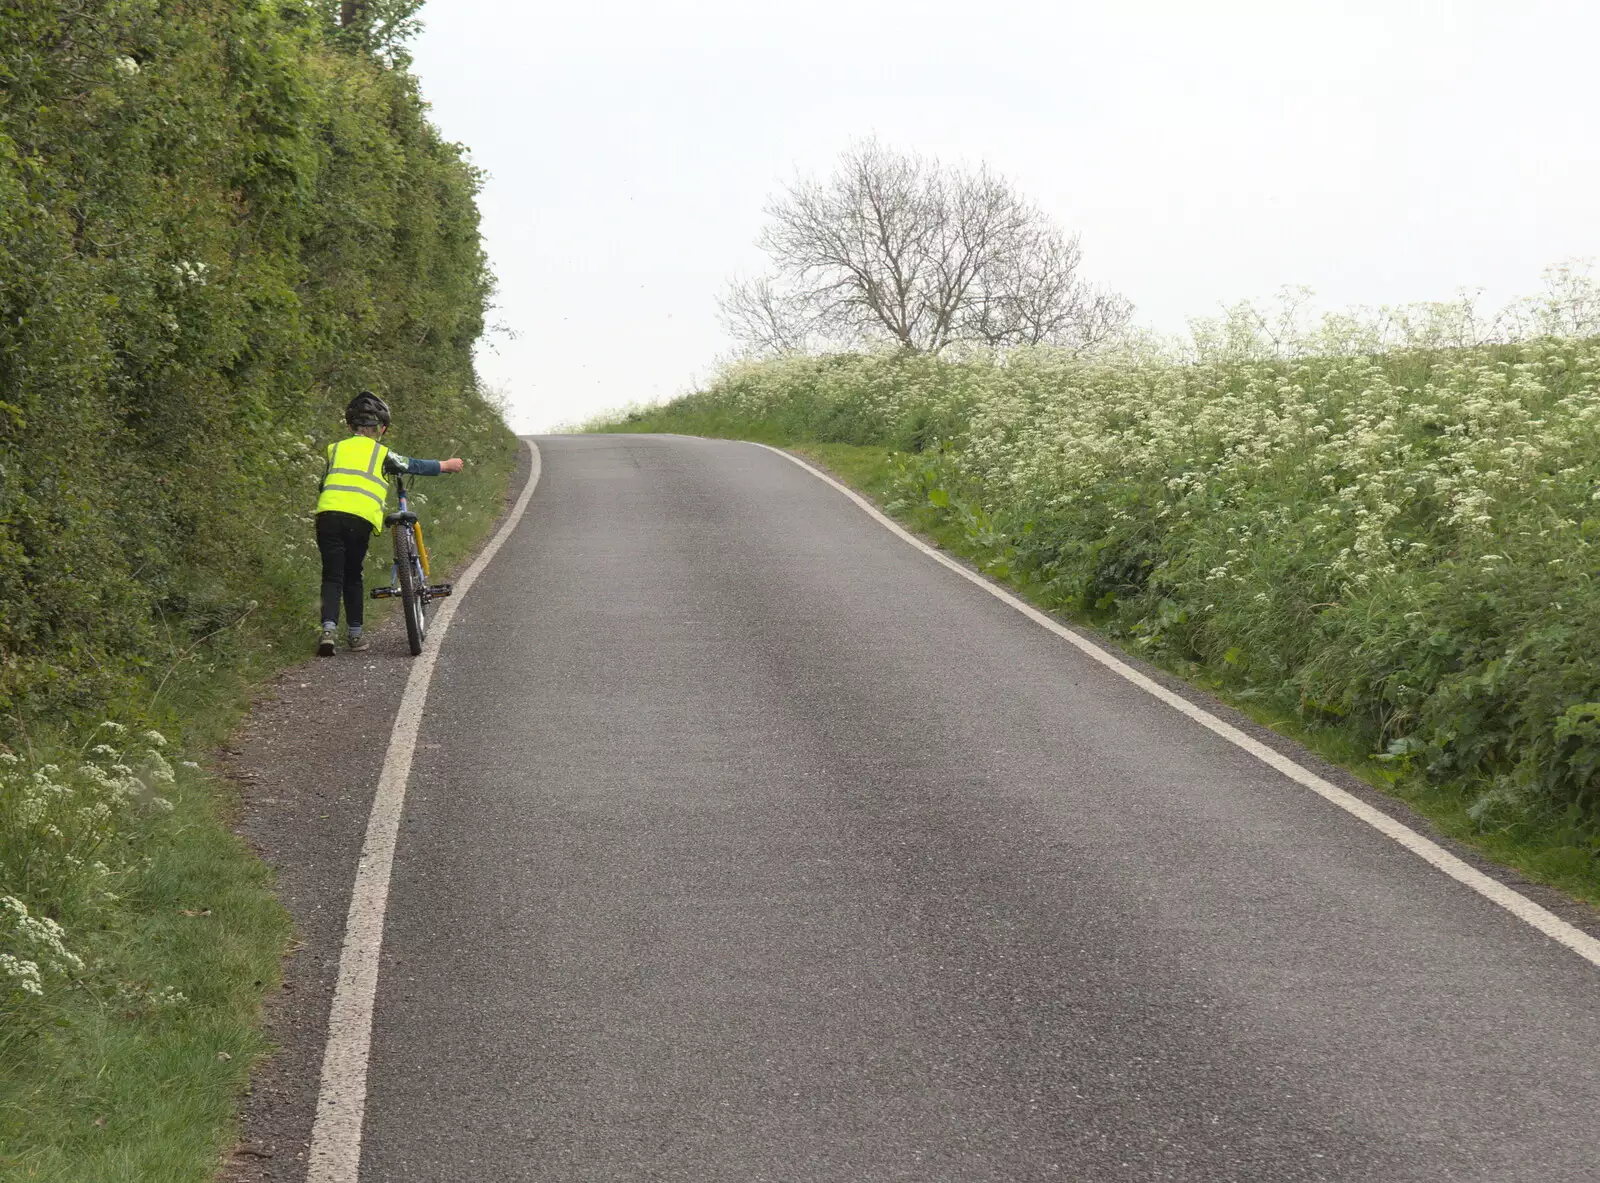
[355, 482]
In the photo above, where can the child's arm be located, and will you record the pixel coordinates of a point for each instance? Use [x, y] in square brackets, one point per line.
[416, 466]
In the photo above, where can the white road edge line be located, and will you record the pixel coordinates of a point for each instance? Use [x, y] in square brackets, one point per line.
[1515, 902]
[342, 1099]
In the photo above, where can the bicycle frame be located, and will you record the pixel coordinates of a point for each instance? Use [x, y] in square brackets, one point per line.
[409, 575]
[422, 551]
[416, 525]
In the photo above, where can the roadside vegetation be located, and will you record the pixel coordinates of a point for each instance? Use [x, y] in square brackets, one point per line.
[1357, 528]
[218, 221]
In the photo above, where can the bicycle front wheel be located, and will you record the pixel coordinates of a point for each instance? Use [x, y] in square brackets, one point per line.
[415, 610]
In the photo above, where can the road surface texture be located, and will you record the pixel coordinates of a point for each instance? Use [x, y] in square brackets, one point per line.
[745, 843]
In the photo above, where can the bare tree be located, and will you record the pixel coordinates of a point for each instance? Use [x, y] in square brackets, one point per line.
[1034, 295]
[764, 321]
[898, 248]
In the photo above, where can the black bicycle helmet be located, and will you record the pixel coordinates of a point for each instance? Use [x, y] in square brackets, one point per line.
[367, 410]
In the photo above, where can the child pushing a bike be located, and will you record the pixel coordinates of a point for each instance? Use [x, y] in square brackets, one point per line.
[350, 510]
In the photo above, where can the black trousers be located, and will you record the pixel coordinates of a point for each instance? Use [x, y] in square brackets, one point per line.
[342, 538]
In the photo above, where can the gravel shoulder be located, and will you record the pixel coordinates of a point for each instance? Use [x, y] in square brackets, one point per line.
[305, 764]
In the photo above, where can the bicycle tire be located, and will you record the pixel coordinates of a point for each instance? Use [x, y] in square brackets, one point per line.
[410, 591]
[420, 605]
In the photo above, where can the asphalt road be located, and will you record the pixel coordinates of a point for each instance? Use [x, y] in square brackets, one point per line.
[745, 843]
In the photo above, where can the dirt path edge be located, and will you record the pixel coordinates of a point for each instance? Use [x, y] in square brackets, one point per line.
[305, 764]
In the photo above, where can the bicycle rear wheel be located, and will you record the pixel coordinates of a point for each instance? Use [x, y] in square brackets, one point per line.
[416, 612]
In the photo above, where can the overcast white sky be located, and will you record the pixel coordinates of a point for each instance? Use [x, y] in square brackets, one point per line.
[1377, 151]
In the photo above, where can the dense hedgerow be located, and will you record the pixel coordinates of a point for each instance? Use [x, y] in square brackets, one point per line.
[1401, 545]
[218, 220]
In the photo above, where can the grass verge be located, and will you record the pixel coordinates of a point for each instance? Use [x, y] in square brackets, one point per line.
[1544, 850]
[128, 1061]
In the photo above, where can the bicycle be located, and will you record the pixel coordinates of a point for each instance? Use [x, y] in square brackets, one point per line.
[410, 572]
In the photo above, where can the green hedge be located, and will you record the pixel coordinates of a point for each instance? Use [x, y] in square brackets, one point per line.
[218, 220]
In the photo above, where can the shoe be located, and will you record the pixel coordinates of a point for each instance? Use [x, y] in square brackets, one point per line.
[360, 644]
[325, 646]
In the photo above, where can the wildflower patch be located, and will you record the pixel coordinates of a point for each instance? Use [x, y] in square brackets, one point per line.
[1399, 546]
